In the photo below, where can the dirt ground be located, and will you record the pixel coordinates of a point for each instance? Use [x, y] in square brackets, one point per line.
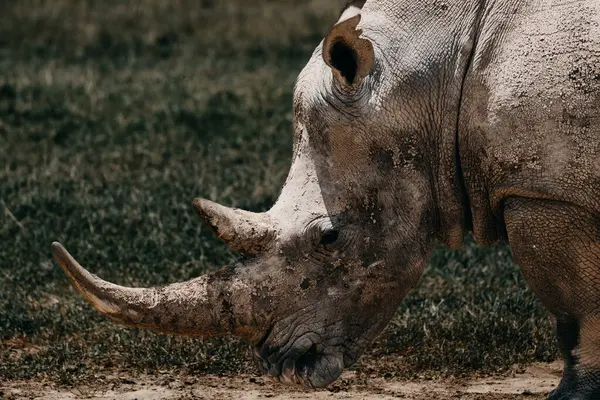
[534, 383]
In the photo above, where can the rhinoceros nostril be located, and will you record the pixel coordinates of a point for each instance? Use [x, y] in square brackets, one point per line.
[307, 361]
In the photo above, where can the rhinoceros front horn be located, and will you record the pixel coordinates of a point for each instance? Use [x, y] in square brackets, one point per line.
[243, 231]
[211, 305]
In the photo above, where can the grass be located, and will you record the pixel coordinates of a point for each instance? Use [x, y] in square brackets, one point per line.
[115, 115]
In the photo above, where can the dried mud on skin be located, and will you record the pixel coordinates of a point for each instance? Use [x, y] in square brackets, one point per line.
[534, 383]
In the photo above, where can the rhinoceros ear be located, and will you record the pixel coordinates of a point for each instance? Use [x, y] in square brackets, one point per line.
[349, 56]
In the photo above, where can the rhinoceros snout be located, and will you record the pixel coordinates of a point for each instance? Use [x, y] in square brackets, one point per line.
[302, 362]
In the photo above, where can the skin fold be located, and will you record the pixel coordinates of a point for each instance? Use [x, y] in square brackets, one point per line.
[413, 122]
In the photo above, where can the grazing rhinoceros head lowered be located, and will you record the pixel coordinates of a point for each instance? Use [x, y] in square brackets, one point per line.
[327, 266]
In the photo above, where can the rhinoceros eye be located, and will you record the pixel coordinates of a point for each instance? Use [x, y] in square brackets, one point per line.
[329, 236]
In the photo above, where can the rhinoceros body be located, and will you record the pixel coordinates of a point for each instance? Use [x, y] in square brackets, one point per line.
[413, 121]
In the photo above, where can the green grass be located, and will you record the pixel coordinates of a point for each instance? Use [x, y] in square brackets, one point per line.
[114, 116]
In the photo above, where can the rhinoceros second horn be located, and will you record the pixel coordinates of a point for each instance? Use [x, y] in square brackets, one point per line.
[243, 231]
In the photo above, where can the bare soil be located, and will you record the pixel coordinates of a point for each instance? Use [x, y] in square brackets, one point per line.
[533, 383]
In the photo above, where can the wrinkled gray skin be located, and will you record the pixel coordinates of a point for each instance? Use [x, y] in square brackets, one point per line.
[427, 120]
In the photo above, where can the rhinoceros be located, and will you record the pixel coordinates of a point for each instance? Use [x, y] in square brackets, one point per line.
[414, 121]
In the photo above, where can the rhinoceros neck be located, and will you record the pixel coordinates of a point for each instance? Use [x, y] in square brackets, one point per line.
[438, 39]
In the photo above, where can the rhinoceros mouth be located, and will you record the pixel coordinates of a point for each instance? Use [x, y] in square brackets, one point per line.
[303, 361]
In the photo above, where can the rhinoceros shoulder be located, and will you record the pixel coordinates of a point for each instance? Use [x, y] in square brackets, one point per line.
[530, 119]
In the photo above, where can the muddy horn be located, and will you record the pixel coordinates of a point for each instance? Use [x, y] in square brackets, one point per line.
[243, 231]
[206, 306]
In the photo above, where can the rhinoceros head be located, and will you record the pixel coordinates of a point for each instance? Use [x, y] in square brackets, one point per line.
[326, 267]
